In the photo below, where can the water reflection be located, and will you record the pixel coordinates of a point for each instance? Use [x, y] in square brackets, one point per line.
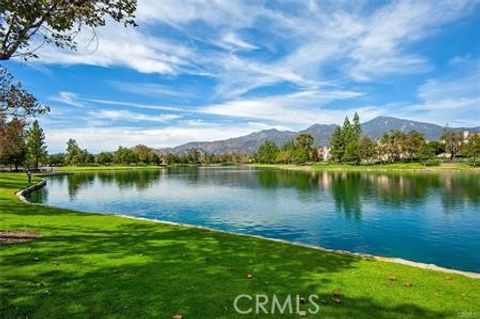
[429, 217]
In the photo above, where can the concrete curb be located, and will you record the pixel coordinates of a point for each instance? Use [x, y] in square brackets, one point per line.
[25, 191]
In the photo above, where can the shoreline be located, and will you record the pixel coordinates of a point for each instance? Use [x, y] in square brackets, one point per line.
[367, 168]
[474, 275]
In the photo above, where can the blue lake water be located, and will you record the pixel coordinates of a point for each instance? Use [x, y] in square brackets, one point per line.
[428, 217]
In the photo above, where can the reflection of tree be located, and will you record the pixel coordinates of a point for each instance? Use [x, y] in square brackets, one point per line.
[460, 189]
[397, 189]
[140, 179]
[38, 196]
[77, 181]
[346, 190]
[273, 179]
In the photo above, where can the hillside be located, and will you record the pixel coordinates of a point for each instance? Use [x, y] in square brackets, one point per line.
[374, 128]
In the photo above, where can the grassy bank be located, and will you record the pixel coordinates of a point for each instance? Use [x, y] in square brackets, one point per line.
[103, 168]
[376, 167]
[95, 266]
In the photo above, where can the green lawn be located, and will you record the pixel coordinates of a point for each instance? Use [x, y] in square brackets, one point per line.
[103, 168]
[95, 266]
[376, 167]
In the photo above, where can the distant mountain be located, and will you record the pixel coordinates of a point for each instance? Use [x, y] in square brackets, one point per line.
[247, 144]
[374, 128]
[381, 124]
[320, 132]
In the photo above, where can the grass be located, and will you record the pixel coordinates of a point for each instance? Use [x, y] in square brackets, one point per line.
[103, 168]
[98, 266]
[376, 167]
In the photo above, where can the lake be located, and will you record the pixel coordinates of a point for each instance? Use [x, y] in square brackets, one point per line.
[426, 217]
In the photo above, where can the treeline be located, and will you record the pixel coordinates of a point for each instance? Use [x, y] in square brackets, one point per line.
[195, 157]
[299, 150]
[140, 155]
[349, 145]
[22, 145]
[76, 156]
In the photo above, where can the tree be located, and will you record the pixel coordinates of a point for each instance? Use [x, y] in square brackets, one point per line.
[104, 158]
[286, 154]
[304, 141]
[15, 101]
[425, 152]
[74, 155]
[356, 126]
[367, 149]
[337, 142]
[304, 149]
[392, 145]
[472, 148]
[267, 153]
[36, 147]
[125, 155]
[13, 143]
[345, 141]
[453, 141]
[412, 143]
[437, 146]
[56, 159]
[26, 23]
[352, 153]
[146, 155]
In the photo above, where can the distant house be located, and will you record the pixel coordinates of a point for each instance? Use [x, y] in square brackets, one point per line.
[467, 135]
[324, 153]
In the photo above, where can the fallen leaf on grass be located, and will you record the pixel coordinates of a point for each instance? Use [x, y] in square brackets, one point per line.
[302, 313]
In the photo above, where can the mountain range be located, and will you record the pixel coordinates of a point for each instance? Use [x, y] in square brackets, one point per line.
[374, 128]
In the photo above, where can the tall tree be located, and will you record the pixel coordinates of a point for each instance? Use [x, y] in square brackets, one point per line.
[345, 141]
[392, 145]
[367, 149]
[453, 141]
[304, 141]
[425, 152]
[27, 25]
[337, 143]
[472, 148]
[352, 152]
[74, 154]
[15, 101]
[356, 126]
[412, 143]
[267, 153]
[36, 147]
[13, 143]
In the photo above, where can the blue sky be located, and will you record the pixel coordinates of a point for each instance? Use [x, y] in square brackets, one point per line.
[207, 70]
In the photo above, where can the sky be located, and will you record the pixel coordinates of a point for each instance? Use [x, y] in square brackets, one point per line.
[208, 70]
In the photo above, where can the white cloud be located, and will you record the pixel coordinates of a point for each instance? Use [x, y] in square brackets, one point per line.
[118, 46]
[107, 138]
[233, 41]
[125, 115]
[68, 98]
[296, 110]
[366, 41]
